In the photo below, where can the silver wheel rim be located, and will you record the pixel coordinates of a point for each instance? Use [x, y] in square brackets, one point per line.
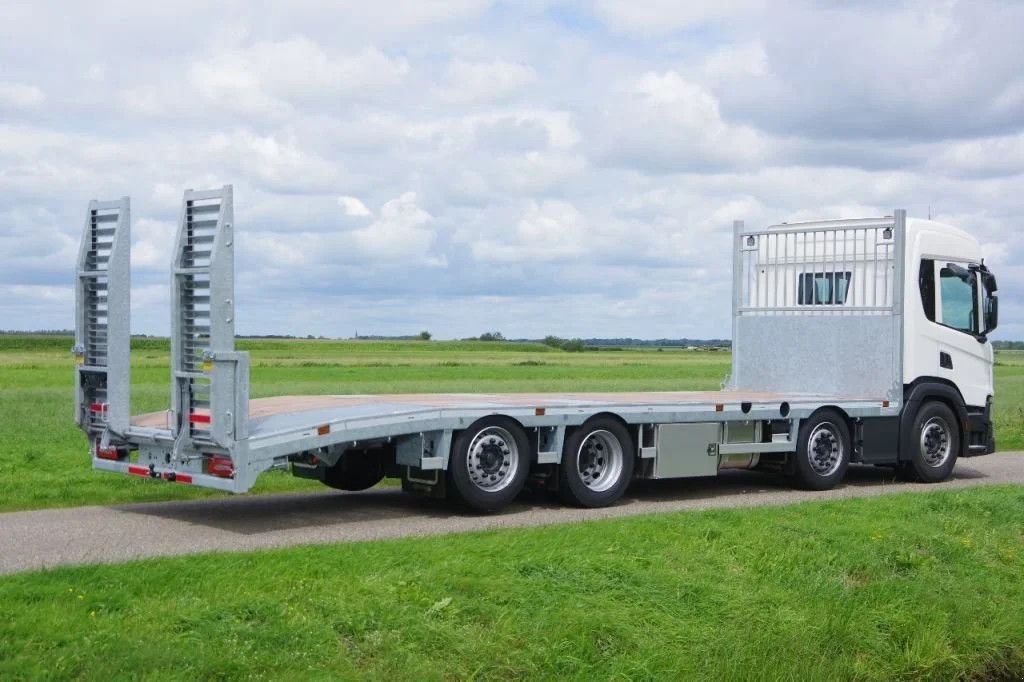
[492, 459]
[936, 446]
[600, 460]
[825, 449]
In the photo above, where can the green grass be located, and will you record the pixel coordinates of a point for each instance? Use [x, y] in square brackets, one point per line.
[905, 586]
[44, 460]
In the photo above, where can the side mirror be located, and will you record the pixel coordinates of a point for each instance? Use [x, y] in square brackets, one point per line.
[991, 313]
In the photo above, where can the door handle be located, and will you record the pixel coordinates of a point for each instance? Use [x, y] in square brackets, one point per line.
[945, 361]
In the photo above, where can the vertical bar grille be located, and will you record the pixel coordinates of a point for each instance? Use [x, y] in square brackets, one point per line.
[827, 268]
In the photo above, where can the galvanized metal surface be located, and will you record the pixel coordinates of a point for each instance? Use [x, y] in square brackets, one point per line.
[817, 307]
[102, 313]
[687, 450]
[205, 371]
[777, 339]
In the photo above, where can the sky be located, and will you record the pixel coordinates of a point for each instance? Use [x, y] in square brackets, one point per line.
[534, 167]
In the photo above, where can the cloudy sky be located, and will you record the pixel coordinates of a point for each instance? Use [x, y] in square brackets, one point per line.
[534, 167]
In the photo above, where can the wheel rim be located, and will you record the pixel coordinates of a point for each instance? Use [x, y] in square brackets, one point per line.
[936, 446]
[600, 460]
[492, 459]
[825, 449]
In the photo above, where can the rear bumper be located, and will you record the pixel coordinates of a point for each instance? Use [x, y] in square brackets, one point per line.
[180, 477]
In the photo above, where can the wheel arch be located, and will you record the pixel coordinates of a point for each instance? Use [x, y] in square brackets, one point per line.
[630, 428]
[925, 389]
[530, 442]
[833, 408]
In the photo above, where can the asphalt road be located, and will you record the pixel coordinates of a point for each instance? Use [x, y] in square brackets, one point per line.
[84, 535]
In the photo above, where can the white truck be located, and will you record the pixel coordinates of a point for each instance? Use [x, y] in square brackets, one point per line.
[853, 341]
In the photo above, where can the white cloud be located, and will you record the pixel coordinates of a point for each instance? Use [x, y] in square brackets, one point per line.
[402, 231]
[20, 96]
[666, 16]
[273, 75]
[353, 206]
[483, 81]
[664, 121]
[549, 231]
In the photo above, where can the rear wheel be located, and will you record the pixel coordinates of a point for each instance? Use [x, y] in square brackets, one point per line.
[489, 463]
[934, 443]
[597, 464]
[823, 451]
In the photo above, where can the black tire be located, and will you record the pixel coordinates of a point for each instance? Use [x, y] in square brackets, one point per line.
[823, 451]
[489, 464]
[357, 470]
[597, 464]
[933, 443]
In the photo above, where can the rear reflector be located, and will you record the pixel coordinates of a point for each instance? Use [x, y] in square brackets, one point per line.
[197, 418]
[138, 471]
[220, 466]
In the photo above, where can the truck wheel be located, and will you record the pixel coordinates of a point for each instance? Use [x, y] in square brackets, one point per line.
[822, 452]
[597, 464]
[489, 464]
[355, 471]
[934, 443]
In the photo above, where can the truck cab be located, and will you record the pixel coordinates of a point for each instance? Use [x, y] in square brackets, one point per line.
[951, 306]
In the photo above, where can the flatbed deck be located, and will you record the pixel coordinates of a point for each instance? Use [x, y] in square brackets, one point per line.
[274, 415]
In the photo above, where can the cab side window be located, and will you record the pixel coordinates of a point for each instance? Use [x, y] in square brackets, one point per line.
[959, 301]
[956, 300]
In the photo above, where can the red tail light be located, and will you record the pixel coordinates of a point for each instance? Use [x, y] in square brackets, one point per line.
[107, 453]
[220, 466]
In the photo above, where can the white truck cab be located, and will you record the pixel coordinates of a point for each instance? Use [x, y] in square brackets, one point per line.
[950, 309]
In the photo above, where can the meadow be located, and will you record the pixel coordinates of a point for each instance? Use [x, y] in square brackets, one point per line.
[44, 459]
[911, 586]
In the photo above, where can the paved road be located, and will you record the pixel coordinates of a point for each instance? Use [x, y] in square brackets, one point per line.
[41, 539]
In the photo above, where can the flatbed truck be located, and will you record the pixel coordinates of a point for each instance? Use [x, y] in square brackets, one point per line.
[853, 341]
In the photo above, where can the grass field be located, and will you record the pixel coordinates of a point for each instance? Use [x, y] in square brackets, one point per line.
[905, 586]
[44, 460]
[919, 586]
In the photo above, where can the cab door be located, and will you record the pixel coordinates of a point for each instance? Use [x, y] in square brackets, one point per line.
[963, 355]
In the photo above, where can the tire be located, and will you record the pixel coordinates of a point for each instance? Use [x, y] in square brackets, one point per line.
[933, 443]
[355, 471]
[489, 464]
[597, 464]
[823, 451]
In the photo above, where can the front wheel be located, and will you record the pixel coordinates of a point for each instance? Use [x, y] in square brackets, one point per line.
[934, 443]
[489, 463]
[597, 464]
[823, 451]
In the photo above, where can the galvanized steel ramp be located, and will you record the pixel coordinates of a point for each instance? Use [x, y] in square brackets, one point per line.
[102, 335]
